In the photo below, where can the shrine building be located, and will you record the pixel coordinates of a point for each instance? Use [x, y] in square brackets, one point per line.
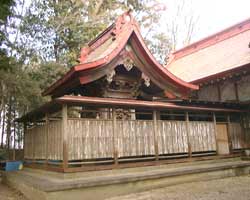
[119, 107]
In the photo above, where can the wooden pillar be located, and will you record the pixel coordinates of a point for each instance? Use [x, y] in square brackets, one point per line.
[24, 136]
[236, 91]
[14, 148]
[219, 92]
[65, 135]
[215, 132]
[244, 134]
[188, 135]
[155, 135]
[114, 124]
[229, 134]
[33, 147]
[46, 139]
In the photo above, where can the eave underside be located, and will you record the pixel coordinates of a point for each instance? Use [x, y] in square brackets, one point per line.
[56, 104]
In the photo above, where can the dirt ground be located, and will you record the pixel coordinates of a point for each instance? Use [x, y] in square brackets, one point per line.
[7, 193]
[223, 189]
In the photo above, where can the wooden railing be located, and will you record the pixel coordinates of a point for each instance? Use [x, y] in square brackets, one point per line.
[94, 139]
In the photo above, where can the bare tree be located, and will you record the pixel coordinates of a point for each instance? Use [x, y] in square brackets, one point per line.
[182, 23]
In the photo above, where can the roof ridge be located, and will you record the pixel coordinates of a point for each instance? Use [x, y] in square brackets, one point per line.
[213, 39]
[112, 30]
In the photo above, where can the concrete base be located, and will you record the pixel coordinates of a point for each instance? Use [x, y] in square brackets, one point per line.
[41, 185]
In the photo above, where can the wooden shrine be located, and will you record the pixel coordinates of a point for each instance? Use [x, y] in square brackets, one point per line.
[119, 107]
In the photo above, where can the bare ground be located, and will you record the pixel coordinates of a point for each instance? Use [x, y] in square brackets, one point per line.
[222, 189]
[235, 188]
[7, 193]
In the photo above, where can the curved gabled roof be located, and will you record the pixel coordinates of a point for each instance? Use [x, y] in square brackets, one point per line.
[101, 51]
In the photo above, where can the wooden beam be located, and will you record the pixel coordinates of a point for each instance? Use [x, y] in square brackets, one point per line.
[33, 147]
[155, 132]
[229, 134]
[24, 135]
[114, 124]
[236, 90]
[215, 131]
[14, 148]
[47, 138]
[244, 133]
[65, 135]
[188, 135]
[219, 91]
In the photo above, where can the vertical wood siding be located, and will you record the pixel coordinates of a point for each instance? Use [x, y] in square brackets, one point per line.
[237, 135]
[202, 136]
[172, 137]
[135, 138]
[92, 139]
[35, 142]
[55, 145]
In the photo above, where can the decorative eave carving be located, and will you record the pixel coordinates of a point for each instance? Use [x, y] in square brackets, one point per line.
[146, 79]
[128, 64]
[110, 76]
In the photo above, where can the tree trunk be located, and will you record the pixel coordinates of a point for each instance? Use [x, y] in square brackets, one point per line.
[3, 127]
[8, 128]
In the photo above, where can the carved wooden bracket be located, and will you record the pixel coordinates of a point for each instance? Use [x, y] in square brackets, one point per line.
[128, 64]
[146, 79]
[110, 76]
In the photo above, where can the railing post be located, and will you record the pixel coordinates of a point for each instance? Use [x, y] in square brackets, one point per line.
[33, 148]
[114, 124]
[229, 134]
[244, 142]
[188, 135]
[215, 132]
[65, 135]
[24, 138]
[46, 139]
[155, 135]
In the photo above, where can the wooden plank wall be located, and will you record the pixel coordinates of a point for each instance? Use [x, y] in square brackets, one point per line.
[237, 135]
[35, 141]
[135, 138]
[172, 137]
[55, 145]
[202, 136]
[89, 139]
[92, 138]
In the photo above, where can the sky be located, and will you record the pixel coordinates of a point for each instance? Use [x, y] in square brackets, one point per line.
[213, 15]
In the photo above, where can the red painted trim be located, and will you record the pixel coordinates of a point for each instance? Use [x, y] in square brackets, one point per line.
[213, 39]
[169, 95]
[63, 79]
[136, 103]
[160, 68]
[91, 65]
[222, 74]
[122, 37]
[101, 35]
